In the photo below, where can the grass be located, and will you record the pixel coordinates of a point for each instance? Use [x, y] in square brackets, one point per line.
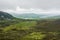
[21, 26]
[41, 30]
[35, 35]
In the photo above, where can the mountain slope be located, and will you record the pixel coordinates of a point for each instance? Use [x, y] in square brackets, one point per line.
[4, 15]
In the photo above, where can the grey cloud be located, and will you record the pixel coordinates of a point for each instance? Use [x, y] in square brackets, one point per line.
[8, 4]
[43, 4]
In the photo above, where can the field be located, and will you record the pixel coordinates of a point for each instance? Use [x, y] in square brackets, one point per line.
[30, 29]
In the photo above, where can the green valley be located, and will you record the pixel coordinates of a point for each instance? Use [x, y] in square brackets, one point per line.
[29, 29]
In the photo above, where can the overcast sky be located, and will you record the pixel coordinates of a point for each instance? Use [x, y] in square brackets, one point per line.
[38, 6]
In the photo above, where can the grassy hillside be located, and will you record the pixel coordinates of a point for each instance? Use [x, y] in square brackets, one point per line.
[31, 30]
[27, 29]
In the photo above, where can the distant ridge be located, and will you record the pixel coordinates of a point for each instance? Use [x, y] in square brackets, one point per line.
[28, 15]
